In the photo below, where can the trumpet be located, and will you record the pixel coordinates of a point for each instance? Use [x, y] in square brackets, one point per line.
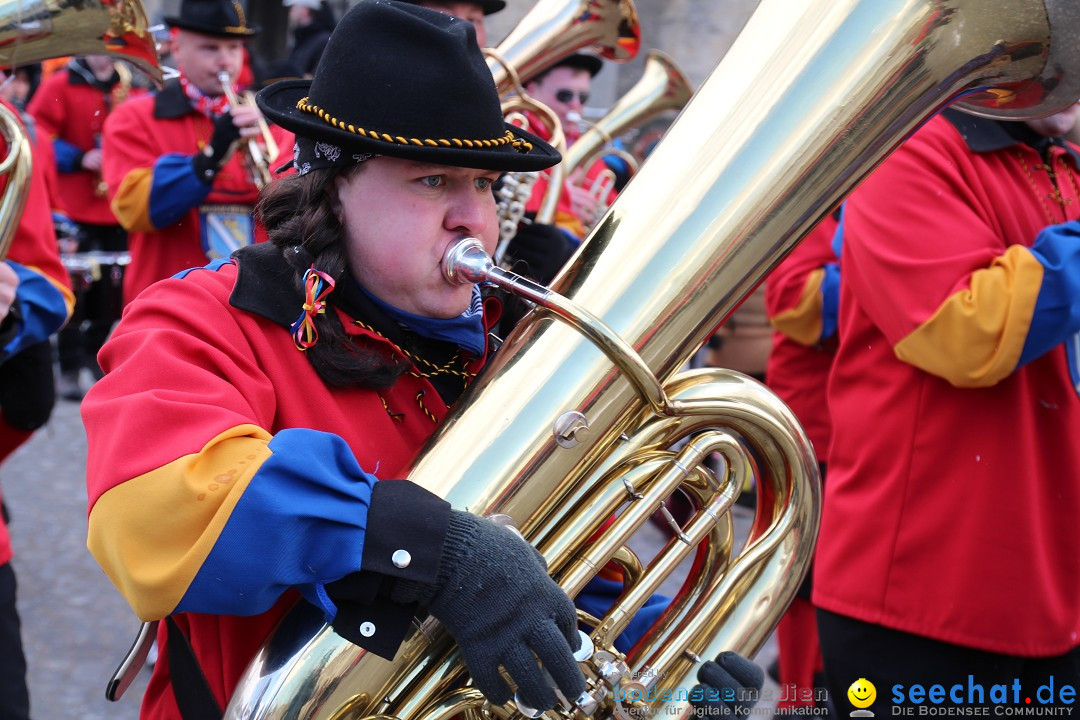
[258, 162]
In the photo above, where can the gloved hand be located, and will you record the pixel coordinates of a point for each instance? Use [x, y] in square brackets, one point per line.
[209, 161]
[538, 251]
[729, 686]
[495, 597]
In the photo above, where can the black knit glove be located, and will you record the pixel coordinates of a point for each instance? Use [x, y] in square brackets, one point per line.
[538, 251]
[729, 686]
[209, 161]
[495, 597]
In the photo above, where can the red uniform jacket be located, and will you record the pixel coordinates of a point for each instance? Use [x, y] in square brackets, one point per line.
[800, 358]
[950, 510]
[72, 111]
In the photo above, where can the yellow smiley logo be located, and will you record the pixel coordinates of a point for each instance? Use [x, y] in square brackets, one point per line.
[862, 693]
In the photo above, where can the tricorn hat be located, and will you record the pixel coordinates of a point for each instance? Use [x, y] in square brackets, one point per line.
[220, 18]
[488, 6]
[405, 81]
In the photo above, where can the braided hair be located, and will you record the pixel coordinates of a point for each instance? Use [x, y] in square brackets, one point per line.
[299, 218]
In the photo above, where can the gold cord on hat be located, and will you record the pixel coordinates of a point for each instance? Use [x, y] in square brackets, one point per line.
[243, 28]
[508, 137]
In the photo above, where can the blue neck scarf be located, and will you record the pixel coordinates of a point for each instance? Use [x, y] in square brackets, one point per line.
[466, 330]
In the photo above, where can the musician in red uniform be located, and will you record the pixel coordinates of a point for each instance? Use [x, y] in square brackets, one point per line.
[35, 300]
[565, 88]
[948, 552]
[69, 109]
[539, 250]
[176, 181]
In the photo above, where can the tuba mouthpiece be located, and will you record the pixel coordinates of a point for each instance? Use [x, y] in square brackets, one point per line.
[465, 262]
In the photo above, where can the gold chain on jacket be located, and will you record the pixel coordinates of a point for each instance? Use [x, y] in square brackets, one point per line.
[1056, 195]
[432, 369]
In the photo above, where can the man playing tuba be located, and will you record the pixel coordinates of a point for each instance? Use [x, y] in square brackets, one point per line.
[278, 393]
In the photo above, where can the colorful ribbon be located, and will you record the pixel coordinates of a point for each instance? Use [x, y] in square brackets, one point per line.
[317, 285]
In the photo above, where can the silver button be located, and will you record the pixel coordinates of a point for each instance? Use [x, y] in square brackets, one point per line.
[401, 558]
[367, 629]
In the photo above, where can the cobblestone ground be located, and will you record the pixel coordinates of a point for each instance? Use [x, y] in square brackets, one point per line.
[75, 625]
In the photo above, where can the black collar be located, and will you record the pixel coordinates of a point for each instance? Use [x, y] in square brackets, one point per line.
[264, 284]
[171, 102]
[79, 73]
[984, 135]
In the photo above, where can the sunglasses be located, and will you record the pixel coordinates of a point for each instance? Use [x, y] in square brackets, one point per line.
[566, 96]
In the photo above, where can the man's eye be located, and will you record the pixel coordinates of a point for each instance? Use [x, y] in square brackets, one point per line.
[432, 180]
[484, 183]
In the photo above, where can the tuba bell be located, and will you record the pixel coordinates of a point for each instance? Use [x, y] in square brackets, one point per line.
[578, 415]
[553, 29]
[36, 30]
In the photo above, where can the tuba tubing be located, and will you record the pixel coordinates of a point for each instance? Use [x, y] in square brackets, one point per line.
[782, 130]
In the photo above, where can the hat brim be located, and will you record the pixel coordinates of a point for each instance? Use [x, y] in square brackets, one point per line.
[215, 31]
[278, 103]
[488, 7]
[581, 61]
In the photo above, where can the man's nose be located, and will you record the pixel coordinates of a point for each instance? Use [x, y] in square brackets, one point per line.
[471, 212]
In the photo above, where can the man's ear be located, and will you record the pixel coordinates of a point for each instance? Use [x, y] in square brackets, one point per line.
[333, 191]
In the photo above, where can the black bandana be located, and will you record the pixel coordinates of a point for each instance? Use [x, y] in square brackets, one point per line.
[311, 154]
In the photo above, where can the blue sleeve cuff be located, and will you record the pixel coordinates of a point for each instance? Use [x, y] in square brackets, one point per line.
[597, 597]
[42, 310]
[68, 157]
[300, 524]
[175, 190]
[830, 301]
[838, 236]
[1057, 308]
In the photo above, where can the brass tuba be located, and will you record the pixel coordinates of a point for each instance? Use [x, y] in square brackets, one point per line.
[577, 415]
[36, 30]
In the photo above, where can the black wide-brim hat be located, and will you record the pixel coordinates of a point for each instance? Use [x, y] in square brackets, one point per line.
[404, 81]
[220, 18]
[487, 6]
[581, 61]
